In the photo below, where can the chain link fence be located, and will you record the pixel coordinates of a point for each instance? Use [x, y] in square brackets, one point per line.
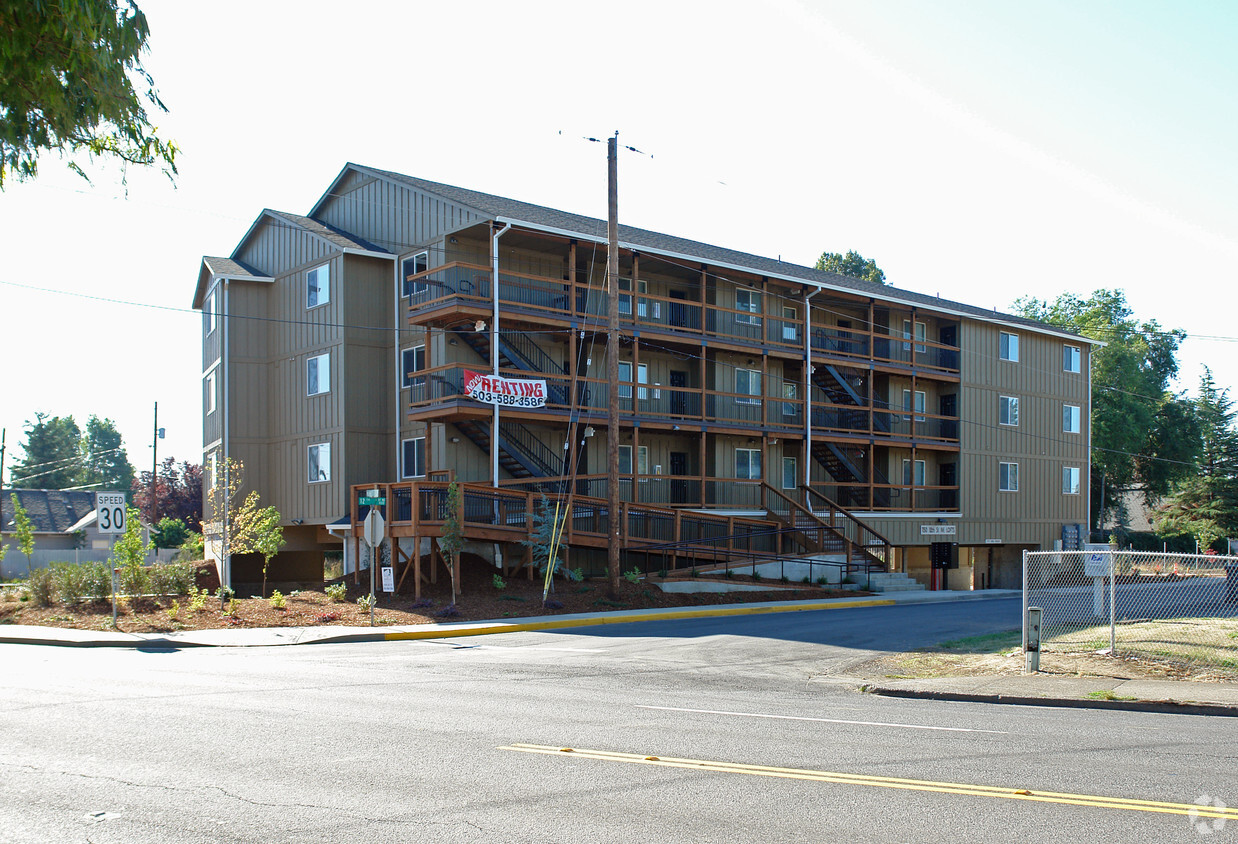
[1180, 609]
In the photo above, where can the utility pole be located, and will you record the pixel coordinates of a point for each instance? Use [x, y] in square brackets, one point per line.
[612, 367]
[3, 433]
[154, 471]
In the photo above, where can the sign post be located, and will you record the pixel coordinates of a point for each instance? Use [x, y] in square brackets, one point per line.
[1096, 565]
[373, 531]
[111, 517]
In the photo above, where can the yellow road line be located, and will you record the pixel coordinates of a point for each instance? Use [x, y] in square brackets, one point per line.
[560, 623]
[967, 789]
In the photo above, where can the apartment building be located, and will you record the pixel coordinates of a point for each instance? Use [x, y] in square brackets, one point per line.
[336, 345]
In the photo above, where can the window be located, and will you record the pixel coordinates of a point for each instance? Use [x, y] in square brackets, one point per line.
[919, 406]
[1070, 418]
[210, 393]
[750, 301]
[748, 463]
[318, 286]
[1072, 358]
[413, 458]
[921, 334]
[412, 360]
[1010, 347]
[790, 330]
[789, 391]
[208, 313]
[1008, 477]
[625, 374]
[419, 263]
[1070, 480]
[625, 460]
[212, 470]
[790, 473]
[1009, 411]
[913, 480]
[319, 462]
[625, 299]
[318, 375]
[748, 383]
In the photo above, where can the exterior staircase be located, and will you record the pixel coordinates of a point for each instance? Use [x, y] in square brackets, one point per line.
[893, 582]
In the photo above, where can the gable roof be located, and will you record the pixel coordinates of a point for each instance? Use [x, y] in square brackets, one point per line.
[214, 268]
[49, 510]
[529, 215]
[336, 237]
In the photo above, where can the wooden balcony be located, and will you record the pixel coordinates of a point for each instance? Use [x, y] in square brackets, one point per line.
[458, 291]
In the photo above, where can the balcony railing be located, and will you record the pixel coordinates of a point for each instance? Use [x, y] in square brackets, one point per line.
[432, 387]
[531, 295]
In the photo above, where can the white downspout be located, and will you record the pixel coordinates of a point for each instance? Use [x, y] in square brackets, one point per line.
[494, 347]
[399, 376]
[226, 574]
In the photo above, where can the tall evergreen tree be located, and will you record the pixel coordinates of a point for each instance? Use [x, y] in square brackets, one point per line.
[53, 457]
[107, 464]
[1205, 505]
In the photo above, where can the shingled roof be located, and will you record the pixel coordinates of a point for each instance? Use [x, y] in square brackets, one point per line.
[338, 237]
[49, 510]
[497, 207]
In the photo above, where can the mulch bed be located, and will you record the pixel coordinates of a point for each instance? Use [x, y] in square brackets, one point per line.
[479, 600]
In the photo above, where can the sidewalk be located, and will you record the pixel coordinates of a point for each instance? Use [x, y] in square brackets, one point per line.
[273, 636]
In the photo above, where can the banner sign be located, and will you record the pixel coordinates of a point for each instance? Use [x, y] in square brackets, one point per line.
[508, 392]
[939, 530]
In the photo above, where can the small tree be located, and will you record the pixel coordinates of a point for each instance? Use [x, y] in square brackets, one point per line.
[222, 508]
[452, 540]
[23, 531]
[259, 532]
[129, 555]
[542, 542]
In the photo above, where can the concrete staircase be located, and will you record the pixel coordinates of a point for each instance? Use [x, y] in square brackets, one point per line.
[892, 582]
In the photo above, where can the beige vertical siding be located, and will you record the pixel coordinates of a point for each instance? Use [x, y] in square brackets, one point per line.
[389, 215]
[1036, 513]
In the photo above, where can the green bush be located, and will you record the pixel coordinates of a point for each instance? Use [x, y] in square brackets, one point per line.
[42, 586]
[498, 582]
[632, 576]
[134, 579]
[278, 601]
[337, 592]
[81, 580]
[171, 578]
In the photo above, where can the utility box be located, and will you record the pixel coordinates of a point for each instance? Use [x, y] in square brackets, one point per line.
[944, 555]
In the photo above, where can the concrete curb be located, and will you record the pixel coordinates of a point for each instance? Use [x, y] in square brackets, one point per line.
[1173, 707]
[276, 637]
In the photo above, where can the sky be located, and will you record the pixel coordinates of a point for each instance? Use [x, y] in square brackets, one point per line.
[977, 151]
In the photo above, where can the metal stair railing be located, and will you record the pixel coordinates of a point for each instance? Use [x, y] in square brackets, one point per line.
[534, 449]
[868, 541]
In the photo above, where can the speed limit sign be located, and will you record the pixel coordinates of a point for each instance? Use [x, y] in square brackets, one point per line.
[110, 507]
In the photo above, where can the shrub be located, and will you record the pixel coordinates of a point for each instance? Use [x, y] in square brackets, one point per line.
[822, 580]
[632, 576]
[84, 580]
[173, 611]
[197, 598]
[336, 592]
[134, 578]
[234, 607]
[498, 582]
[366, 602]
[756, 575]
[449, 611]
[42, 586]
[171, 579]
[278, 601]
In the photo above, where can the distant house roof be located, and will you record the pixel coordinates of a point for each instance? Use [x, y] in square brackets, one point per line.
[538, 216]
[49, 510]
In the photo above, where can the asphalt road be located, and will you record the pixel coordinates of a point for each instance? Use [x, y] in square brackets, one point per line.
[754, 739]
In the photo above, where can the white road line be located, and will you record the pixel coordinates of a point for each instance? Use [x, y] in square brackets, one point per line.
[822, 720]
